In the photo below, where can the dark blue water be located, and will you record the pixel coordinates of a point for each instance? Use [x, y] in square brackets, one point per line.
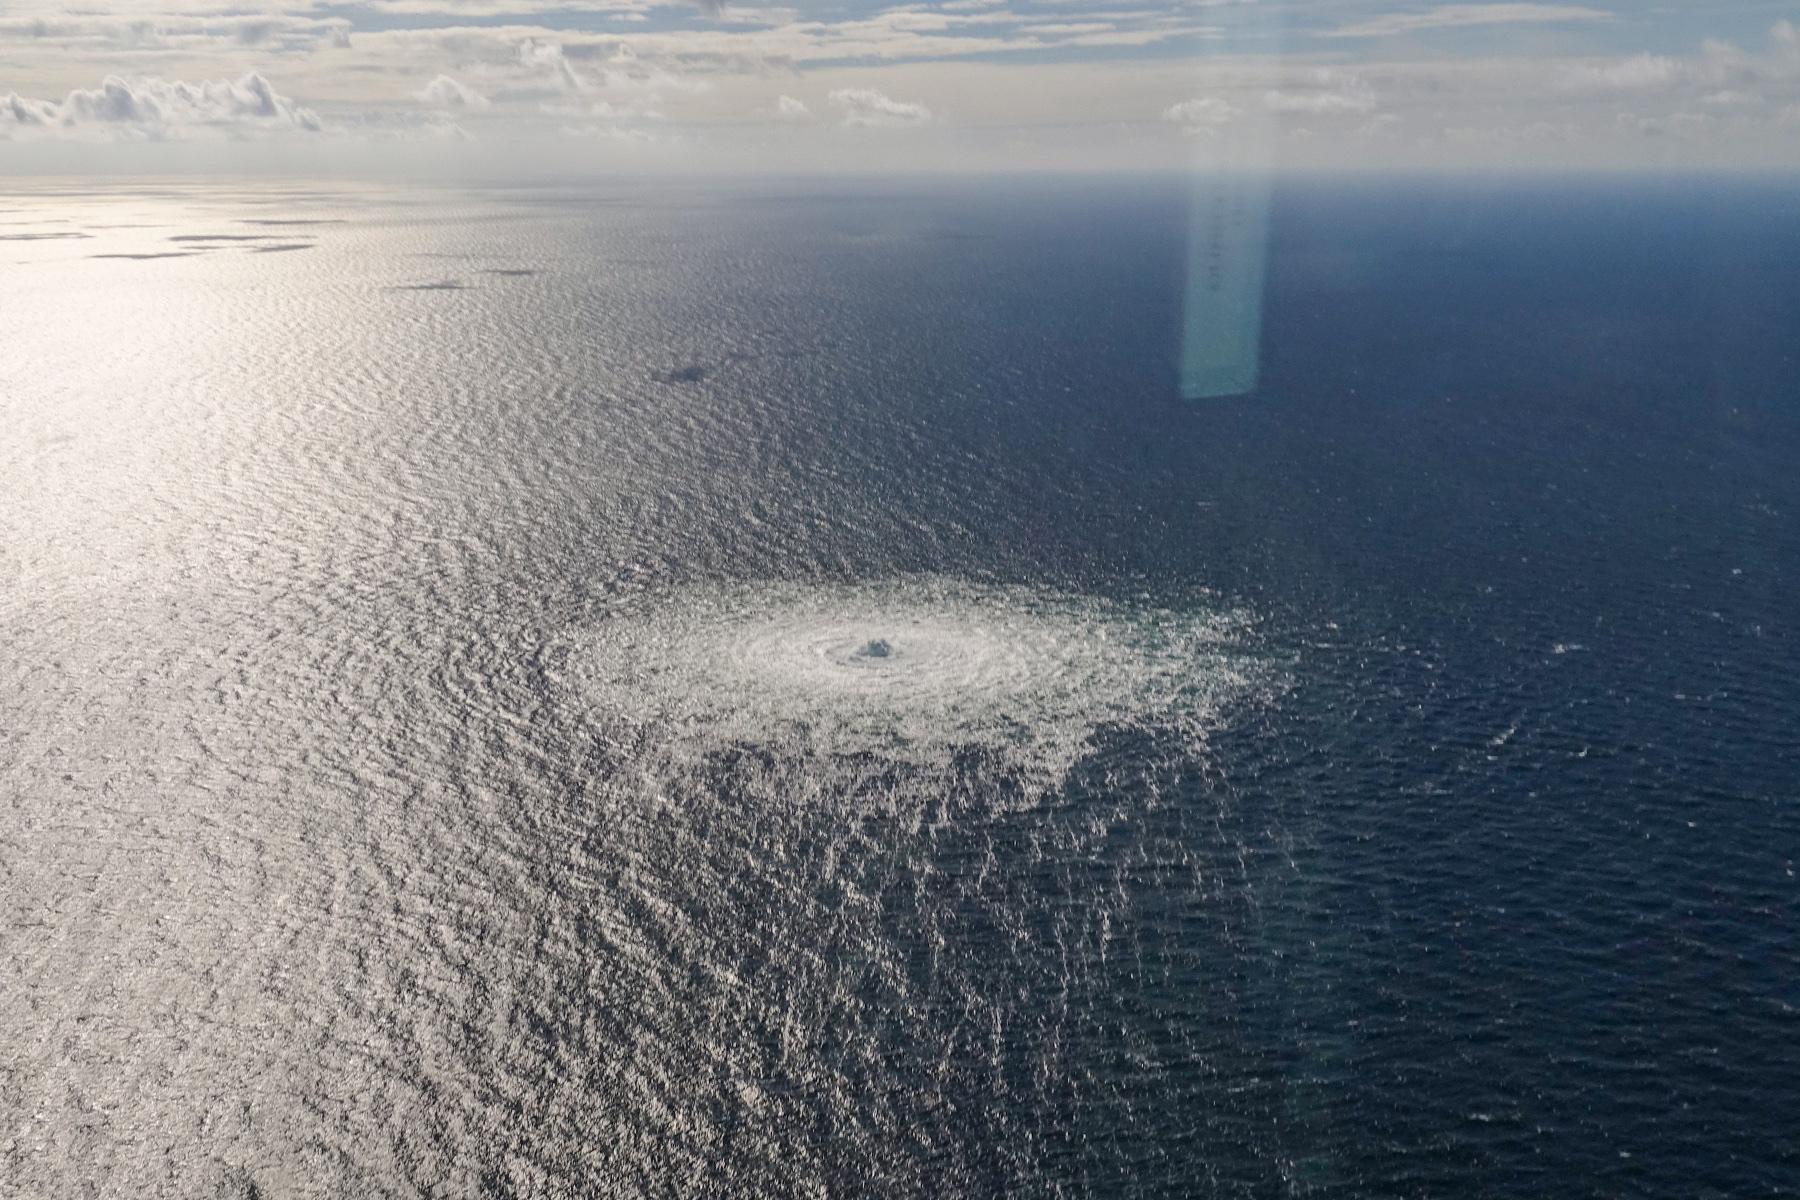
[1532, 451]
[326, 880]
[1533, 448]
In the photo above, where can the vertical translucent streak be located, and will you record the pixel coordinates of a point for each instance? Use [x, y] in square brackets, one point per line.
[1228, 231]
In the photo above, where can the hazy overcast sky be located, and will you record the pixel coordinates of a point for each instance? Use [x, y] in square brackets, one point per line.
[556, 86]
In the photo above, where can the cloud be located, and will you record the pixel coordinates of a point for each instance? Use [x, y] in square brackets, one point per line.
[621, 135]
[1318, 103]
[445, 92]
[548, 56]
[608, 67]
[864, 107]
[102, 33]
[387, 125]
[158, 109]
[1721, 74]
[626, 72]
[1681, 124]
[1073, 99]
[1201, 115]
[1639, 73]
[604, 110]
[1463, 16]
[1328, 93]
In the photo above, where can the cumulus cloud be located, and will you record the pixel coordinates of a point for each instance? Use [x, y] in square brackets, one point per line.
[1327, 94]
[625, 72]
[445, 92]
[612, 69]
[1722, 74]
[1463, 16]
[549, 57]
[863, 107]
[156, 109]
[789, 109]
[1201, 115]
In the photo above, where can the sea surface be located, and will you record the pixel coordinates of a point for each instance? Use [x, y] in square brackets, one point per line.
[767, 690]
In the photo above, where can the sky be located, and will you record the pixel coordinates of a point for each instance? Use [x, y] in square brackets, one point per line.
[521, 88]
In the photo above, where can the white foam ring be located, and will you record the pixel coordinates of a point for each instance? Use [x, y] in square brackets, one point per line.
[910, 674]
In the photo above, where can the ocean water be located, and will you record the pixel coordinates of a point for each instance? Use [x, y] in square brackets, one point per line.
[767, 691]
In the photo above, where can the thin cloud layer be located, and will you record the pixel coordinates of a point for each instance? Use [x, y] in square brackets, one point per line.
[1081, 84]
[1466, 16]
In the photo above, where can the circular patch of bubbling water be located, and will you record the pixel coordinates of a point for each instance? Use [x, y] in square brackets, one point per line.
[912, 672]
